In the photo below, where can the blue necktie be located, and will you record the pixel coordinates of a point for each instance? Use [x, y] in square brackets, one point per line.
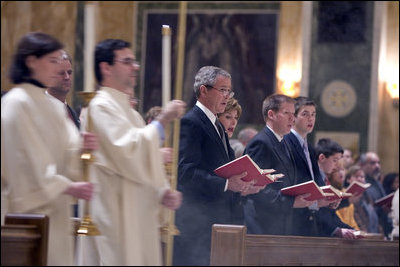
[307, 154]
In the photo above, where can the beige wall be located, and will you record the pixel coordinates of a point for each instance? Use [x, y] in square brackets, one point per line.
[20, 17]
[388, 147]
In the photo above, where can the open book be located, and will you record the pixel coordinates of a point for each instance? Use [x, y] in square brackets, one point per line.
[357, 188]
[304, 188]
[336, 192]
[385, 201]
[246, 164]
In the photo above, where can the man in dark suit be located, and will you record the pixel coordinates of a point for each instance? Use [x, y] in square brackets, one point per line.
[270, 212]
[62, 89]
[309, 220]
[207, 198]
[60, 92]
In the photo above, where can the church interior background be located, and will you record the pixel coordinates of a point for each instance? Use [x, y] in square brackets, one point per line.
[344, 55]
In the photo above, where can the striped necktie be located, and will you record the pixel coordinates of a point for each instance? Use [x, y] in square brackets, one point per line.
[221, 134]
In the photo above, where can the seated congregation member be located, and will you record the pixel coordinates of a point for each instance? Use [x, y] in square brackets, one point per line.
[207, 198]
[329, 153]
[364, 212]
[270, 212]
[371, 165]
[243, 138]
[40, 146]
[337, 180]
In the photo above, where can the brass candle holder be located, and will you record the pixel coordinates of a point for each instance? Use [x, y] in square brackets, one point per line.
[87, 227]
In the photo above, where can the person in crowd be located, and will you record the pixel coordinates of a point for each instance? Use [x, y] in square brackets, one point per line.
[152, 113]
[203, 147]
[364, 212]
[128, 169]
[246, 134]
[370, 163]
[59, 93]
[395, 216]
[40, 147]
[243, 138]
[61, 90]
[391, 182]
[337, 180]
[329, 153]
[230, 117]
[270, 212]
[306, 163]
[348, 158]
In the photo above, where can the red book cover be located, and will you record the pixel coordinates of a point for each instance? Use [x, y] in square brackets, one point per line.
[306, 187]
[385, 201]
[357, 188]
[336, 192]
[246, 164]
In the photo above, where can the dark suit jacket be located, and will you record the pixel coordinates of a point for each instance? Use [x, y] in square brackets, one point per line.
[205, 203]
[326, 219]
[75, 117]
[269, 211]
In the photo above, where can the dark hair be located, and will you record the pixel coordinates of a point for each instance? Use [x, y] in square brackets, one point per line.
[104, 52]
[302, 101]
[328, 147]
[388, 181]
[274, 102]
[35, 44]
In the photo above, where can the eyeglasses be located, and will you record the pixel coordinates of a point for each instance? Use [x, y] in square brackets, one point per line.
[128, 61]
[224, 92]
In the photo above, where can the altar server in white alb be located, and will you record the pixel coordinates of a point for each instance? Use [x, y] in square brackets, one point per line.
[40, 145]
[128, 168]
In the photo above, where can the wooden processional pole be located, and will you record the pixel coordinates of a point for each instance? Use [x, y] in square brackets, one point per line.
[175, 142]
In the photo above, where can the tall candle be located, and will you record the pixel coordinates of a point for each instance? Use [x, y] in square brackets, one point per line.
[166, 64]
[89, 33]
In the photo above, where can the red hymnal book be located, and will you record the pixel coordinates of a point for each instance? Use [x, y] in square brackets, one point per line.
[385, 201]
[357, 188]
[336, 193]
[304, 188]
[246, 164]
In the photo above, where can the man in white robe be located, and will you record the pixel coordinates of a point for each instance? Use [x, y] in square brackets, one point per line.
[128, 167]
[40, 146]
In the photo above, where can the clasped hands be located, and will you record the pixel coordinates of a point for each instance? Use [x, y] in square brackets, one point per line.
[236, 184]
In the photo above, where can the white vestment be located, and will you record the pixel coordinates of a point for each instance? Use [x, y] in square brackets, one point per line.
[130, 178]
[39, 157]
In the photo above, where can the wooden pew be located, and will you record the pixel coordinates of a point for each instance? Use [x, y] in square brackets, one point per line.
[232, 246]
[24, 240]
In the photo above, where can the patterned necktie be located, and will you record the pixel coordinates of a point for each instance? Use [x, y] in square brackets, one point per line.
[221, 134]
[307, 154]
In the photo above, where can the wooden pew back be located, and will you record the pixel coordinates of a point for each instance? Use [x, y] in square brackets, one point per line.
[232, 246]
[24, 240]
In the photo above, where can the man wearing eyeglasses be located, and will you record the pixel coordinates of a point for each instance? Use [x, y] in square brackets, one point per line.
[208, 199]
[128, 168]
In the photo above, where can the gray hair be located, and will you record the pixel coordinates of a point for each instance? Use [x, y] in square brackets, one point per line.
[207, 75]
